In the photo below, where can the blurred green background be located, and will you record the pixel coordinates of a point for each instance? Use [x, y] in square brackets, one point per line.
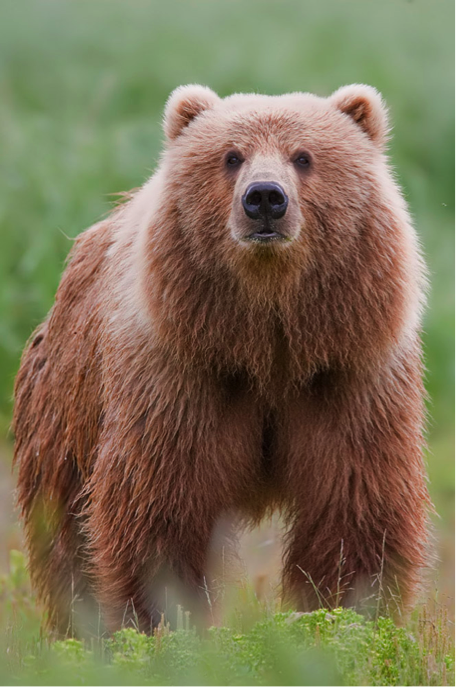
[82, 88]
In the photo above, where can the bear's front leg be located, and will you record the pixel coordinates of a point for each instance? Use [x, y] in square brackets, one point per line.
[355, 480]
[173, 461]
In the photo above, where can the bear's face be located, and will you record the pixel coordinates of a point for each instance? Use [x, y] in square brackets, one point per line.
[272, 178]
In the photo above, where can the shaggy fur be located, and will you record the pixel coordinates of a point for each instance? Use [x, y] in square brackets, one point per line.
[185, 374]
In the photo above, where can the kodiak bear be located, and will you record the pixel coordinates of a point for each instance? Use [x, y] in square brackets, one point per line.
[241, 336]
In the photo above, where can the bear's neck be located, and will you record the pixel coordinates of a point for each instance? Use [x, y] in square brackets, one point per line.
[219, 320]
[277, 329]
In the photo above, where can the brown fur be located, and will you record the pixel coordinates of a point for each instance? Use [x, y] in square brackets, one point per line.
[183, 375]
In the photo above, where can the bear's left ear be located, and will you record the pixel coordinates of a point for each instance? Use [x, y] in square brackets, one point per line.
[365, 106]
[184, 104]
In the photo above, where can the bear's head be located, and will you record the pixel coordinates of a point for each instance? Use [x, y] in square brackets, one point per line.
[273, 179]
[274, 222]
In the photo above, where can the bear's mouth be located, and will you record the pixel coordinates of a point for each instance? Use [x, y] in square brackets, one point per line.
[265, 235]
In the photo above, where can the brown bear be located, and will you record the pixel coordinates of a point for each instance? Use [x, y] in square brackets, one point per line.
[240, 336]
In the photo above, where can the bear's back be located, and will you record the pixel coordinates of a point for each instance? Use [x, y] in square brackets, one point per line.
[57, 389]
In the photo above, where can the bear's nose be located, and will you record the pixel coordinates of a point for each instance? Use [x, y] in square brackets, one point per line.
[265, 199]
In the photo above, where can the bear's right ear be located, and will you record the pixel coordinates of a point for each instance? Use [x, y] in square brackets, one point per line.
[364, 105]
[184, 104]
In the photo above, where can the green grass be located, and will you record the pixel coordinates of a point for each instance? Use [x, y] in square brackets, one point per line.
[257, 647]
[82, 89]
[321, 648]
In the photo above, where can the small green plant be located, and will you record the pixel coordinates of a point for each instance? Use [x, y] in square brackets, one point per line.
[20, 619]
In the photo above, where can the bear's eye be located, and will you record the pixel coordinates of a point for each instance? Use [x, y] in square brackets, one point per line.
[233, 160]
[302, 160]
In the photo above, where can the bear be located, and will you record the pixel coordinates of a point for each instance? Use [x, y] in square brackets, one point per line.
[240, 336]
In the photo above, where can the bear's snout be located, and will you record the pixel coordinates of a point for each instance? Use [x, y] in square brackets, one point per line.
[264, 200]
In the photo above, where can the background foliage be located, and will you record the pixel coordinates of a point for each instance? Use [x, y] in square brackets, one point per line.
[82, 88]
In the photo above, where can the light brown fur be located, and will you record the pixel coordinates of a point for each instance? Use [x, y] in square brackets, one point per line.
[184, 373]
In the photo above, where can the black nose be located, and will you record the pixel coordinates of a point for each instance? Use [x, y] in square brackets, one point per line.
[265, 200]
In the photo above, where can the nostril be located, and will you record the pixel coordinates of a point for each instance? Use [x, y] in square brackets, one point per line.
[276, 198]
[254, 198]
